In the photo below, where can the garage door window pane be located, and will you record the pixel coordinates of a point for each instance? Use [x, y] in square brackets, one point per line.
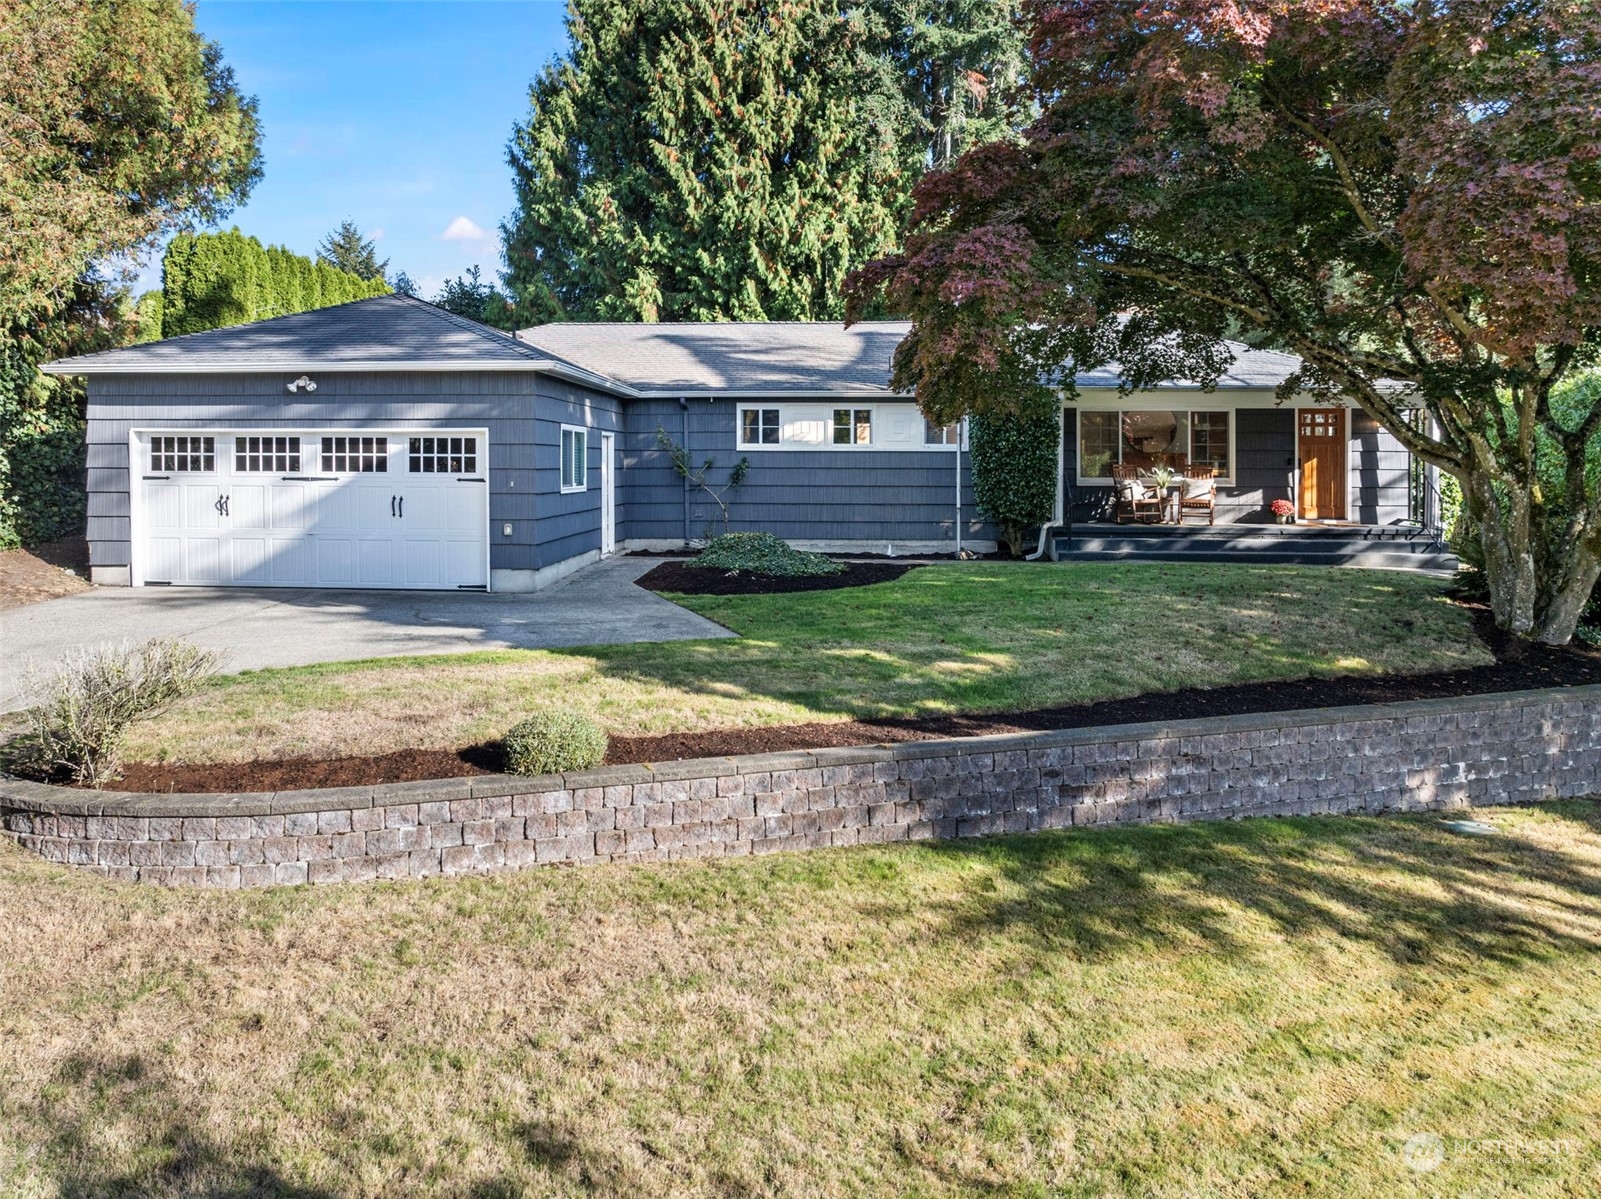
[176, 455]
[355, 455]
[253, 455]
[443, 455]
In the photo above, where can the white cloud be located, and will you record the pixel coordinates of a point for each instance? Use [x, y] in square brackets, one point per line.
[463, 229]
[376, 235]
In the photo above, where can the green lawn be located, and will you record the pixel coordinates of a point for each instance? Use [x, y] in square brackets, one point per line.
[1248, 1009]
[971, 637]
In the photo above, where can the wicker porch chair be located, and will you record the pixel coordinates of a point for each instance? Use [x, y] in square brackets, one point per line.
[1197, 499]
[1134, 499]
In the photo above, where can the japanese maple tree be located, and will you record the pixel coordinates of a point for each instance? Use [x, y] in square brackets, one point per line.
[1406, 193]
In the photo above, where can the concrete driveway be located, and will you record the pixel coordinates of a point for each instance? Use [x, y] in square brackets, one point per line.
[598, 605]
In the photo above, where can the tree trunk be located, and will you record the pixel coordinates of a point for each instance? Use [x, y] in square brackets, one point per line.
[1539, 596]
[1502, 517]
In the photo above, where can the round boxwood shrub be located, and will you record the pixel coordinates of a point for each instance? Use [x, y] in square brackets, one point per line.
[554, 742]
[762, 554]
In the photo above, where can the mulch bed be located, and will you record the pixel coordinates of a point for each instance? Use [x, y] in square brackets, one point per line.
[1519, 667]
[684, 579]
[42, 572]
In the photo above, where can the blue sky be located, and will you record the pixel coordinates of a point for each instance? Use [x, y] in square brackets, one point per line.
[395, 115]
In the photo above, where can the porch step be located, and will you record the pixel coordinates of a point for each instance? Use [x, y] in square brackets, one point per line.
[1373, 548]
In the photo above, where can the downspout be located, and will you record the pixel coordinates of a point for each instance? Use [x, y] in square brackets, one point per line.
[1061, 514]
[961, 431]
[683, 404]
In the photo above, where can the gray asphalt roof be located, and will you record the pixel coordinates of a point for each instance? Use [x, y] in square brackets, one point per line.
[397, 333]
[672, 359]
[776, 356]
[385, 330]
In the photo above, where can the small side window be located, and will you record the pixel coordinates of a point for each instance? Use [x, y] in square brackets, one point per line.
[758, 426]
[853, 426]
[950, 434]
[574, 459]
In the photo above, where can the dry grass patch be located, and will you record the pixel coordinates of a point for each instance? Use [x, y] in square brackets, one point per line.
[974, 637]
[1241, 1009]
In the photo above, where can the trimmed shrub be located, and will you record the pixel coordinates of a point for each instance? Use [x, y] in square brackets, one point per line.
[88, 705]
[762, 554]
[554, 742]
[1015, 460]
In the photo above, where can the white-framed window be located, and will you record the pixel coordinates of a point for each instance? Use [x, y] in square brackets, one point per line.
[263, 455]
[574, 458]
[442, 455]
[183, 455]
[853, 426]
[950, 434]
[759, 426]
[1146, 438]
[355, 455]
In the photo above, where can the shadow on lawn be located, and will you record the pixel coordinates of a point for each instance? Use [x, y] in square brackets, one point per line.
[1415, 890]
[161, 1148]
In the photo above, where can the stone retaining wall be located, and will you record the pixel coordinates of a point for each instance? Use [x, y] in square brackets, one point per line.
[1494, 749]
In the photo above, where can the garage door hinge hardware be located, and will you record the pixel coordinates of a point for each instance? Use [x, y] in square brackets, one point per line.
[158, 476]
[459, 479]
[471, 587]
[310, 478]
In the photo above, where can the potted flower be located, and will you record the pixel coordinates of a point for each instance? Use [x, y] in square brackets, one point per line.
[1163, 477]
[1282, 510]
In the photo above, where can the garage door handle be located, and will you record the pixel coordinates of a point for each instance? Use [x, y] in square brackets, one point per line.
[461, 480]
[402, 507]
[391, 507]
[221, 505]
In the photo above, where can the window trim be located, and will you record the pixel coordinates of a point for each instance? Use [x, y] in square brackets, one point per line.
[739, 426]
[1105, 481]
[855, 412]
[582, 483]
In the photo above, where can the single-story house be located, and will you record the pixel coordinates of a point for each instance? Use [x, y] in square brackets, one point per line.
[388, 443]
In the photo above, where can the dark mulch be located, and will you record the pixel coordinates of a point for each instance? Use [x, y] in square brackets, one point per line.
[295, 774]
[1518, 667]
[684, 579]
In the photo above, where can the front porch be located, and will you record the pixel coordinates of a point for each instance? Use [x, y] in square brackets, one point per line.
[1331, 543]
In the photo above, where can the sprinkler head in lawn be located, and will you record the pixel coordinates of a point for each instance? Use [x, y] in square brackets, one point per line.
[1469, 828]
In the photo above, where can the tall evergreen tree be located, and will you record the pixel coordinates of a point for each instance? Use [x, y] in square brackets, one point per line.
[211, 280]
[347, 250]
[708, 159]
[960, 63]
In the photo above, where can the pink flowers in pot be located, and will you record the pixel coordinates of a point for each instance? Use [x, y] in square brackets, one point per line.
[1282, 508]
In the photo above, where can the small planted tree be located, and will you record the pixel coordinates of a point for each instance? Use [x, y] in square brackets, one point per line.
[699, 476]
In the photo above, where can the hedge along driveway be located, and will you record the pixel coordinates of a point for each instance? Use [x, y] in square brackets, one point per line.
[968, 637]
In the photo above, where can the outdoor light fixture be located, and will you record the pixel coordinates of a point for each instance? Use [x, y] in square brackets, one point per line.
[304, 383]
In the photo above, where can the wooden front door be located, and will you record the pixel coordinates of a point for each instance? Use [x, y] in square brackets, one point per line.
[1322, 444]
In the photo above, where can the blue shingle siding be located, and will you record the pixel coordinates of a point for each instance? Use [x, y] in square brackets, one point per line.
[569, 525]
[1264, 468]
[1381, 477]
[876, 497]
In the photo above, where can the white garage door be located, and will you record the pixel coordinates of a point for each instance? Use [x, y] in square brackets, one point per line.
[312, 509]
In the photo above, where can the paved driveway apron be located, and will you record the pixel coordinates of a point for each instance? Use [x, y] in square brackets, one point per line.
[598, 605]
